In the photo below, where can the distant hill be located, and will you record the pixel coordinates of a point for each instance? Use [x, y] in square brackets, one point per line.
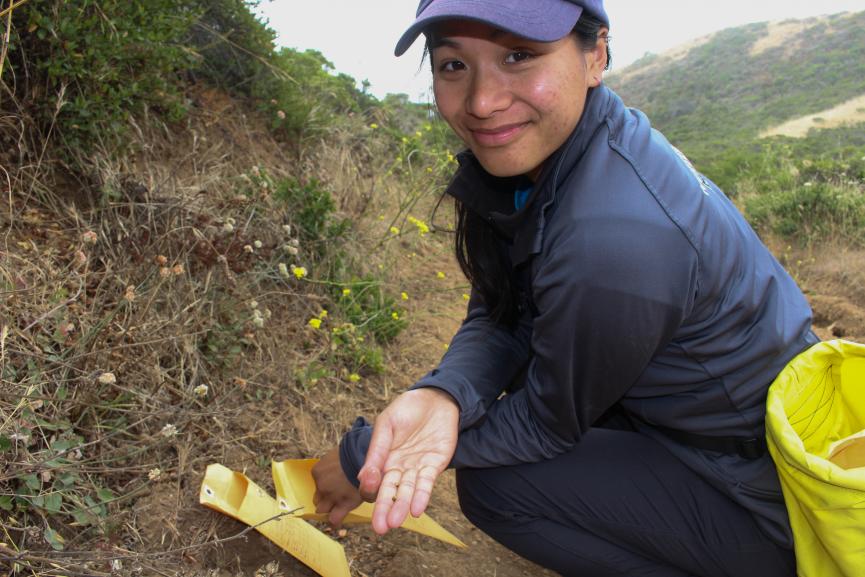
[722, 92]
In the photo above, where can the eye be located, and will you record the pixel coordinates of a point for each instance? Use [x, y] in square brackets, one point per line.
[451, 66]
[518, 56]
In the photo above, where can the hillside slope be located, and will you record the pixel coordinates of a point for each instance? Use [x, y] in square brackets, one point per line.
[721, 91]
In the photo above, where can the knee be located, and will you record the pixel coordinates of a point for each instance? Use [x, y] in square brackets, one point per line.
[467, 492]
[481, 498]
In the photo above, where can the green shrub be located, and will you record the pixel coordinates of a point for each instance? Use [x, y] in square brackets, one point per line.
[235, 48]
[305, 96]
[810, 212]
[313, 212]
[369, 308]
[84, 66]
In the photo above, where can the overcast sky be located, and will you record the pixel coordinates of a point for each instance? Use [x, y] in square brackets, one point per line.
[358, 37]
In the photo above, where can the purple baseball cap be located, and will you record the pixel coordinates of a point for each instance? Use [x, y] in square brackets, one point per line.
[538, 20]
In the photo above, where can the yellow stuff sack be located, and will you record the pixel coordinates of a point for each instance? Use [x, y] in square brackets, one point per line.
[814, 427]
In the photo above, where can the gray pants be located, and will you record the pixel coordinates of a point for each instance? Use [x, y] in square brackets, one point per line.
[619, 504]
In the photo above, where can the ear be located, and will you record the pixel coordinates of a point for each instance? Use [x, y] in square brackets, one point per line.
[596, 59]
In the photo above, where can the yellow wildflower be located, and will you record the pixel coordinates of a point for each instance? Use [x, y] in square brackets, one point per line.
[315, 323]
[404, 296]
[354, 377]
[346, 292]
[466, 296]
[394, 230]
[322, 314]
[440, 274]
[394, 315]
[422, 227]
[298, 271]
[418, 133]
[373, 125]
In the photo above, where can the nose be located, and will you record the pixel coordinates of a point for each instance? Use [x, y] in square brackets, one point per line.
[488, 93]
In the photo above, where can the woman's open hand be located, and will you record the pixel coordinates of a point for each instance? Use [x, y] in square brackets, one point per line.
[413, 441]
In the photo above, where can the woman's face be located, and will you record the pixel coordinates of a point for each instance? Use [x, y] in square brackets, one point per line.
[511, 100]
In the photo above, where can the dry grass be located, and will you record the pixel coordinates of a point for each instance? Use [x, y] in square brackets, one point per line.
[847, 113]
[130, 354]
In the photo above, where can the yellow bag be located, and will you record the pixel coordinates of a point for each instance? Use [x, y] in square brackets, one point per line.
[817, 404]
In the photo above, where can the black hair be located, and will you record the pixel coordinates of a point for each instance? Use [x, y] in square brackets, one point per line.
[480, 250]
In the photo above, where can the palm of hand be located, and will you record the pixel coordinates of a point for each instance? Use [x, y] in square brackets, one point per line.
[413, 441]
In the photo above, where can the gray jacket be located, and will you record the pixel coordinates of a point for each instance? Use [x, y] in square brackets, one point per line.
[645, 289]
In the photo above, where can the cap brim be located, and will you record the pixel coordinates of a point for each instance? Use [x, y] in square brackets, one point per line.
[538, 20]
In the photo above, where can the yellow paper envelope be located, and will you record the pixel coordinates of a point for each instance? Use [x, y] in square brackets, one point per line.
[295, 488]
[849, 452]
[233, 494]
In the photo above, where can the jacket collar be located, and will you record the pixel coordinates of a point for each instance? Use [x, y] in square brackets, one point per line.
[492, 197]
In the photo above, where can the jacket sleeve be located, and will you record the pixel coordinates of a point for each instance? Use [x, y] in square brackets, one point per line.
[609, 295]
[481, 361]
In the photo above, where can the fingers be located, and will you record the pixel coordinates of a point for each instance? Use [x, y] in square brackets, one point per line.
[370, 480]
[337, 514]
[384, 501]
[403, 499]
[379, 449]
[423, 490]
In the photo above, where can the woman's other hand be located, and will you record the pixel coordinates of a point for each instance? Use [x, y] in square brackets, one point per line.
[413, 441]
[334, 494]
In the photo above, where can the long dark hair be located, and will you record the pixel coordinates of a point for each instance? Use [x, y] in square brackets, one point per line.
[480, 250]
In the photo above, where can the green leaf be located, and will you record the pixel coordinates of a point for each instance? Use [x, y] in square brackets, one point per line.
[6, 502]
[53, 502]
[67, 479]
[105, 495]
[32, 481]
[83, 516]
[62, 445]
[54, 539]
[5, 443]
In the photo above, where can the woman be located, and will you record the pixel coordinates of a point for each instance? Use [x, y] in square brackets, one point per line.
[630, 313]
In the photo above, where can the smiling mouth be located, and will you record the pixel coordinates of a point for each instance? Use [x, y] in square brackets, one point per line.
[497, 136]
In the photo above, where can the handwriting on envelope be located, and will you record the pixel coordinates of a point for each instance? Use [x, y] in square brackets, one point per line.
[233, 494]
